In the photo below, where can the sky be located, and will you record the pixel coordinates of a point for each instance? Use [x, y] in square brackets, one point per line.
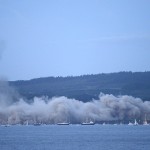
[40, 38]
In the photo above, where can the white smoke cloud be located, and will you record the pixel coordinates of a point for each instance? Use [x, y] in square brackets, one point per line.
[61, 109]
[7, 94]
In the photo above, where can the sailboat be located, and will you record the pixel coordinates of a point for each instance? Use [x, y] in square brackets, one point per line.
[145, 121]
[27, 123]
[104, 123]
[130, 123]
[135, 123]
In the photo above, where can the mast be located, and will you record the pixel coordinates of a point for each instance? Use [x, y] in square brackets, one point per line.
[145, 121]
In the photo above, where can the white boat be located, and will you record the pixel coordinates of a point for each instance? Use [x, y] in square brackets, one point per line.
[135, 123]
[63, 123]
[7, 125]
[27, 123]
[115, 124]
[37, 124]
[130, 123]
[145, 121]
[88, 123]
[104, 123]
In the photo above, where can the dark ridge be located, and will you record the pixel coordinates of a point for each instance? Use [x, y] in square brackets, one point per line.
[87, 87]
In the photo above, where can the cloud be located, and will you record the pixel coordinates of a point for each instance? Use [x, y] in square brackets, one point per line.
[8, 95]
[63, 109]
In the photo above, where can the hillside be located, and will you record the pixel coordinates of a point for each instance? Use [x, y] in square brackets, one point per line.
[87, 87]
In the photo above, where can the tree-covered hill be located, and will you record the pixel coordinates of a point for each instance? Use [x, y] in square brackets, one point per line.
[87, 87]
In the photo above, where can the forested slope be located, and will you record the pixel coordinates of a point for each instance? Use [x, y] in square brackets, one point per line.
[87, 87]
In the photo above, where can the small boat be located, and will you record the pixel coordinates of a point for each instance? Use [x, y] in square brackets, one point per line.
[63, 123]
[7, 125]
[115, 124]
[130, 123]
[88, 123]
[135, 123]
[26, 123]
[37, 124]
[104, 123]
[145, 121]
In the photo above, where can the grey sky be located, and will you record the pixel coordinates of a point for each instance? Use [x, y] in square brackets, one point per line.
[73, 37]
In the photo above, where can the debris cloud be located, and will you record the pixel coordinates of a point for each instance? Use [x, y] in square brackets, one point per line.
[62, 109]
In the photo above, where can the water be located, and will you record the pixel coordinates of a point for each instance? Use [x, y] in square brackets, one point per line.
[75, 137]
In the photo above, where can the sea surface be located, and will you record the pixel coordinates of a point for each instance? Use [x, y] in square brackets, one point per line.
[75, 137]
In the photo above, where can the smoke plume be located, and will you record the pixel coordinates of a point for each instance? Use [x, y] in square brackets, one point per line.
[8, 95]
[62, 109]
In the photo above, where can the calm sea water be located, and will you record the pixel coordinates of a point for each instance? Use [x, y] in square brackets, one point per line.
[75, 137]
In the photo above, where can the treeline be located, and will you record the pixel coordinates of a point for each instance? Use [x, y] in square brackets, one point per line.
[87, 87]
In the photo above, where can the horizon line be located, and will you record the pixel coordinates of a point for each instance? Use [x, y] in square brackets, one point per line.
[72, 76]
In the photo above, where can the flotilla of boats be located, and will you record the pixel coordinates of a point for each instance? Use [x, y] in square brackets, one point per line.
[135, 123]
[131, 123]
[64, 124]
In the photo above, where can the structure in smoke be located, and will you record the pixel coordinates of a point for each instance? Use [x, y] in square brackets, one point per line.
[61, 109]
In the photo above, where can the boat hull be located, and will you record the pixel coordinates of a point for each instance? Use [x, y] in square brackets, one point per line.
[87, 123]
[62, 123]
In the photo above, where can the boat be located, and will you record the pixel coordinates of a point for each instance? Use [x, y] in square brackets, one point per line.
[104, 123]
[63, 123]
[88, 123]
[135, 123]
[130, 123]
[37, 124]
[66, 121]
[7, 125]
[26, 123]
[115, 124]
[145, 121]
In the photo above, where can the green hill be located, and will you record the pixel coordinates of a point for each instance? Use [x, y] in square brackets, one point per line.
[87, 87]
